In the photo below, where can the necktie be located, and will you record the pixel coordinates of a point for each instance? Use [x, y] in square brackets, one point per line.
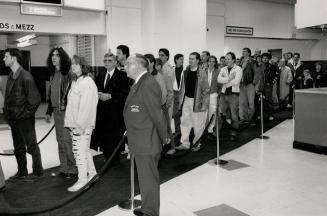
[107, 78]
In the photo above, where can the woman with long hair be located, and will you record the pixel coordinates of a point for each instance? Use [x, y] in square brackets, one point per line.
[215, 88]
[80, 119]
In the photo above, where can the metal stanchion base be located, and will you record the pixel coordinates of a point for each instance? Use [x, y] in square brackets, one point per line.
[127, 205]
[264, 137]
[215, 162]
[221, 162]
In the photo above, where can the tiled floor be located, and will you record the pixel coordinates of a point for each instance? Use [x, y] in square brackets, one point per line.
[279, 181]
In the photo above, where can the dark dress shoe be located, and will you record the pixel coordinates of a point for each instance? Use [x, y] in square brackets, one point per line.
[58, 174]
[211, 136]
[18, 176]
[233, 138]
[3, 187]
[34, 177]
[138, 212]
[71, 175]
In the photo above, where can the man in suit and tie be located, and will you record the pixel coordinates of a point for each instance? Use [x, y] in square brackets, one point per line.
[113, 89]
[22, 99]
[298, 71]
[146, 131]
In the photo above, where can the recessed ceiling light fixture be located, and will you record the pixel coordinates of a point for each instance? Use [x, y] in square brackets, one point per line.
[27, 43]
[26, 38]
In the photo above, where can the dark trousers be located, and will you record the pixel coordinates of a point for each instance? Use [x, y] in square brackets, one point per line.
[109, 142]
[149, 182]
[290, 96]
[2, 177]
[177, 114]
[267, 105]
[65, 149]
[170, 133]
[24, 137]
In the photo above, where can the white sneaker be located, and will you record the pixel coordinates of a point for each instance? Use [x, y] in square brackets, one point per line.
[271, 118]
[78, 185]
[171, 152]
[167, 141]
[90, 176]
[126, 150]
[182, 147]
[289, 106]
[229, 121]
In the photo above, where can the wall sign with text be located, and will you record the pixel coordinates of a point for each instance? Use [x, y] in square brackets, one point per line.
[236, 30]
[5, 26]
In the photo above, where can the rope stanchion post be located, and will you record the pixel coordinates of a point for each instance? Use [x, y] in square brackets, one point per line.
[39, 142]
[218, 161]
[131, 203]
[261, 118]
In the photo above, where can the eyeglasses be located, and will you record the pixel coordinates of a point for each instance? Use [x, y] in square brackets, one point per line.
[108, 60]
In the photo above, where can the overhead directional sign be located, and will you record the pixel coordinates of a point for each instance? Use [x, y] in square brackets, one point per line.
[42, 10]
[236, 30]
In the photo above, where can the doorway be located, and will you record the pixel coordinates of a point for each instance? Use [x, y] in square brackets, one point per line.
[276, 53]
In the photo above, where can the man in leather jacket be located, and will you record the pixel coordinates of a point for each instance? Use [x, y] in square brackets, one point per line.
[270, 73]
[22, 99]
[60, 80]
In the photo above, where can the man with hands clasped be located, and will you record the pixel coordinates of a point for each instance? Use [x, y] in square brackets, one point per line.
[113, 88]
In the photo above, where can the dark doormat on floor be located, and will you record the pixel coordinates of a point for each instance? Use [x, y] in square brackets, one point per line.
[114, 185]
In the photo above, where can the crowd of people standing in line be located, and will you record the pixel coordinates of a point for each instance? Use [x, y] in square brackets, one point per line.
[156, 102]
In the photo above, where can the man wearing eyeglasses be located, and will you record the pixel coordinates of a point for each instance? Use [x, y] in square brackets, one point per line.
[113, 89]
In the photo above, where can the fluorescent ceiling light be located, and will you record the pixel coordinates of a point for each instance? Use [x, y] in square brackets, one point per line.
[26, 43]
[26, 38]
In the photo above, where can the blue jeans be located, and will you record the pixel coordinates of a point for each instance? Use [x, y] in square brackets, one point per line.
[247, 94]
[65, 149]
[230, 102]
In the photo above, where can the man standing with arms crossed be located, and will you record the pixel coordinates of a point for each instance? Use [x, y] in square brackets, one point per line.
[146, 131]
[230, 77]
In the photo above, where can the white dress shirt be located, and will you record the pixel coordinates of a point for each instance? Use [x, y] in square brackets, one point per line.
[139, 76]
[210, 76]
